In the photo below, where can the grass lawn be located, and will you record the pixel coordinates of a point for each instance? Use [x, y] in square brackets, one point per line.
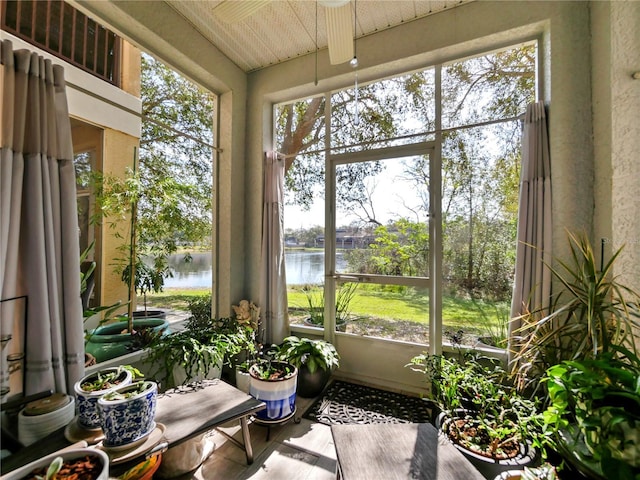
[386, 304]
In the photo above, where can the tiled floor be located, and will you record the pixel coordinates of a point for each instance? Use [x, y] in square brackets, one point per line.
[301, 450]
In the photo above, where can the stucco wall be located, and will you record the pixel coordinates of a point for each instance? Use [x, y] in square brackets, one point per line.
[625, 138]
[118, 151]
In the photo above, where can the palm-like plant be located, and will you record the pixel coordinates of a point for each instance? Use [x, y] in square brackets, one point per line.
[590, 314]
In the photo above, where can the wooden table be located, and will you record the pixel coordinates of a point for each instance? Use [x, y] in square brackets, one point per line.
[398, 451]
[185, 412]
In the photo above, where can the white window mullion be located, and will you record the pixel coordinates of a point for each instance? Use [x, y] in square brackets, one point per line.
[329, 231]
[435, 227]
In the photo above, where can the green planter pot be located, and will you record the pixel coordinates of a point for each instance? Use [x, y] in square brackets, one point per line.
[106, 342]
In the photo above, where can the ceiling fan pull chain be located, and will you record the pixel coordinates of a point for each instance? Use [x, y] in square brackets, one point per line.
[356, 120]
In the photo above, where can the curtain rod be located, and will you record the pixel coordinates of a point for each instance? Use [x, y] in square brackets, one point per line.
[142, 116]
[413, 135]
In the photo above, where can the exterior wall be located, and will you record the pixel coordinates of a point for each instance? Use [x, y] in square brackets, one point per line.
[130, 69]
[616, 103]
[624, 139]
[564, 32]
[119, 155]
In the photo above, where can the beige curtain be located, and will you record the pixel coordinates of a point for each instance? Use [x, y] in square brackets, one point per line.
[273, 280]
[39, 256]
[532, 287]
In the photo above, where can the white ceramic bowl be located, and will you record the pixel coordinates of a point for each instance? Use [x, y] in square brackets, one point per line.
[32, 428]
[70, 454]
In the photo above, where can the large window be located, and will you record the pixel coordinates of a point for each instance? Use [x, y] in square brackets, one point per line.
[420, 198]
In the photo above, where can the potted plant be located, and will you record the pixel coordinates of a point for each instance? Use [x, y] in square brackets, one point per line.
[85, 463]
[543, 472]
[91, 387]
[315, 360]
[274, 382]
[114, 339]
[190, 355]
[595, 410]
[315, 305]
[481, 413]
[147, 278]
[127, 413]
[245, 326]
[592, 320]
[590, 312]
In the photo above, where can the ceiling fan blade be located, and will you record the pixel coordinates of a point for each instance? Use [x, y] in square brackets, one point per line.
[233, 11]
[339, 33]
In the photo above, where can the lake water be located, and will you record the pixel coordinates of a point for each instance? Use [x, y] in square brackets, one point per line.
[300, 266]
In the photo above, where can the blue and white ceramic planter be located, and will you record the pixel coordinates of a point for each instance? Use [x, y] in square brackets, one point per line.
[279, 393]
[87, 402]
[126, 420]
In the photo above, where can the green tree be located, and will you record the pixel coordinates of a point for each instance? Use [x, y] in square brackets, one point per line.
[175, 162]
[169, 190]
[480, 166]
[401, 248]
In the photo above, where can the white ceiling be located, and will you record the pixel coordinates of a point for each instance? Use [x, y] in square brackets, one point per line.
[286, 29]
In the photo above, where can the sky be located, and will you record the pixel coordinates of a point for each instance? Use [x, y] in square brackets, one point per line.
[388, 196]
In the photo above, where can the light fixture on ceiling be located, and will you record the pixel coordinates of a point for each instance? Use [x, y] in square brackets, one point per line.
[235, 11]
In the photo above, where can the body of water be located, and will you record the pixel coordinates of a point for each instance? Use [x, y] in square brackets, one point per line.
[301, 267]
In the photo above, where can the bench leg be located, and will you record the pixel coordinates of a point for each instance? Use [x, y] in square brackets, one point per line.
[246, 439]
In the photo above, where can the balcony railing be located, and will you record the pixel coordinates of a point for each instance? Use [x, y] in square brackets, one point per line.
[66, 33]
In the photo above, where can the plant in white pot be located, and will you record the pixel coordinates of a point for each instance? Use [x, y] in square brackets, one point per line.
[315, 360]
[93, 386]
[275, 383]
[127, 413]
[74, 463]
[191, 355]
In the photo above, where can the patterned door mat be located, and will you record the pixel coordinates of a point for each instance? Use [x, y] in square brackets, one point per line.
[348, 403]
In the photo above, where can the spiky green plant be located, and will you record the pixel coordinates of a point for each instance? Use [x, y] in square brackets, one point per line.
[590, 313]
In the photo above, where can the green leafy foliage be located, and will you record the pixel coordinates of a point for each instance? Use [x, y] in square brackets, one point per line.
[314, 354]
[486, 413]
[597, 400]
[198, 349]
[314, 297]
[267, 369]
[590, 314]
[105, 380]
[129, 392]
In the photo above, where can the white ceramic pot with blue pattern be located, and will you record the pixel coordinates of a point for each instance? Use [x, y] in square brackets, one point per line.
[127, 413]
[275, 384]
[93, 386]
